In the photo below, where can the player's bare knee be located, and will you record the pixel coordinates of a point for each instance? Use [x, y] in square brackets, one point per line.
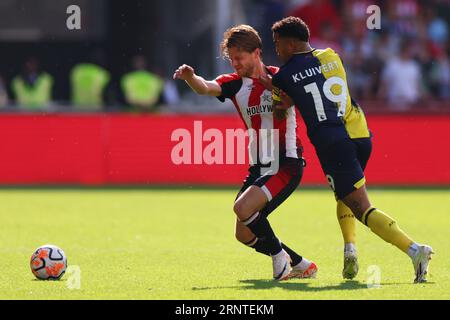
[240, 209]
[237, 208]
[358, 202]
[356, 207]
[236, 235]
[360, 209]
[239, 237]
[358, 215]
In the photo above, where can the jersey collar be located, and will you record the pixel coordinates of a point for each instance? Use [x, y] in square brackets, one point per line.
[305, 52]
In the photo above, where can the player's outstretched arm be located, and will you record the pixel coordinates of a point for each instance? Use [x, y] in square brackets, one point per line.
[198, 84]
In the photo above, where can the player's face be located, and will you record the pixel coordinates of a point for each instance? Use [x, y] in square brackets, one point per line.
[243, 62]
[283, 47]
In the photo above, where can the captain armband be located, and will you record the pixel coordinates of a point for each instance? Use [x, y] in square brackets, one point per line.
[276, 95]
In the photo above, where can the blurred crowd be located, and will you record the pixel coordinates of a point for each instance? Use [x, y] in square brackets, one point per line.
[404, 64]
[91, 88]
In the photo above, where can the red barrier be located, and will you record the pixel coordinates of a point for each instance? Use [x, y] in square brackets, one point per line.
[135, 149]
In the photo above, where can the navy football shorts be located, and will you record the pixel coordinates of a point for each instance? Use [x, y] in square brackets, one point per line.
[344, 163]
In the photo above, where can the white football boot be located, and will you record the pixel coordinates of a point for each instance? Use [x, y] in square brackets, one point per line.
[300, 272]
[281, 265]
[420, 262]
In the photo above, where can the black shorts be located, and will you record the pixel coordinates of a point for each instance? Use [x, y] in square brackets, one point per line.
[344, 163]
[277, 187]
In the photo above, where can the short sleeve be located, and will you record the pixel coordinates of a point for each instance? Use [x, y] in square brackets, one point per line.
[230, 84]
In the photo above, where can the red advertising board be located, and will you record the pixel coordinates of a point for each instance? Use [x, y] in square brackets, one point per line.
[105, 149]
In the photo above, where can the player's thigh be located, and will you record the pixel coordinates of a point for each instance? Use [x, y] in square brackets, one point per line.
[280, 186]
[250, 201]
[363, 150]
[249, 180]
[342, 168]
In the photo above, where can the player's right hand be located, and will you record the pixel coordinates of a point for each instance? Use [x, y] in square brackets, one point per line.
[184, 72]
[286, 101]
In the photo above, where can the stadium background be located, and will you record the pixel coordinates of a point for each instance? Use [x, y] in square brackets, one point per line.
[148, 241]
[58, 143]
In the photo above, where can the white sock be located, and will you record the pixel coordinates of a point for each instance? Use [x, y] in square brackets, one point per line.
[412, 250]
[303, 265]
[350, 247]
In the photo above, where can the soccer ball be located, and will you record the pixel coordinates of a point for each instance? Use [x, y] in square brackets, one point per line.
[48, 262]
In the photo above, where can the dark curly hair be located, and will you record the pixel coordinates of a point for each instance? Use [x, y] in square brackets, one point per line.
[292, 27]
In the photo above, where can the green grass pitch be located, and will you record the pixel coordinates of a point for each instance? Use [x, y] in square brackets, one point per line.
[179, 244]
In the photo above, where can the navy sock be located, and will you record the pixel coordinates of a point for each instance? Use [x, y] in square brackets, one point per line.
[260, 226]
[261, 246]
[295, 257]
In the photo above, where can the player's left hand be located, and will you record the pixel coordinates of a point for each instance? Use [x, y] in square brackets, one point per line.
[286, 101]
[280, 108]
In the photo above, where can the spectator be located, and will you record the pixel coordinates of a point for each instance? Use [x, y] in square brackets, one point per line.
[386, 46]
[33, 87]
[140, 87]
[262, 14]
[440, 76]
[355, 15]
[327, 38]
[89, 82]
[3, 94]
[437, 27]
[359, 79]
[316, 13]
[170, 94]
[403, 17]
[401, 80]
